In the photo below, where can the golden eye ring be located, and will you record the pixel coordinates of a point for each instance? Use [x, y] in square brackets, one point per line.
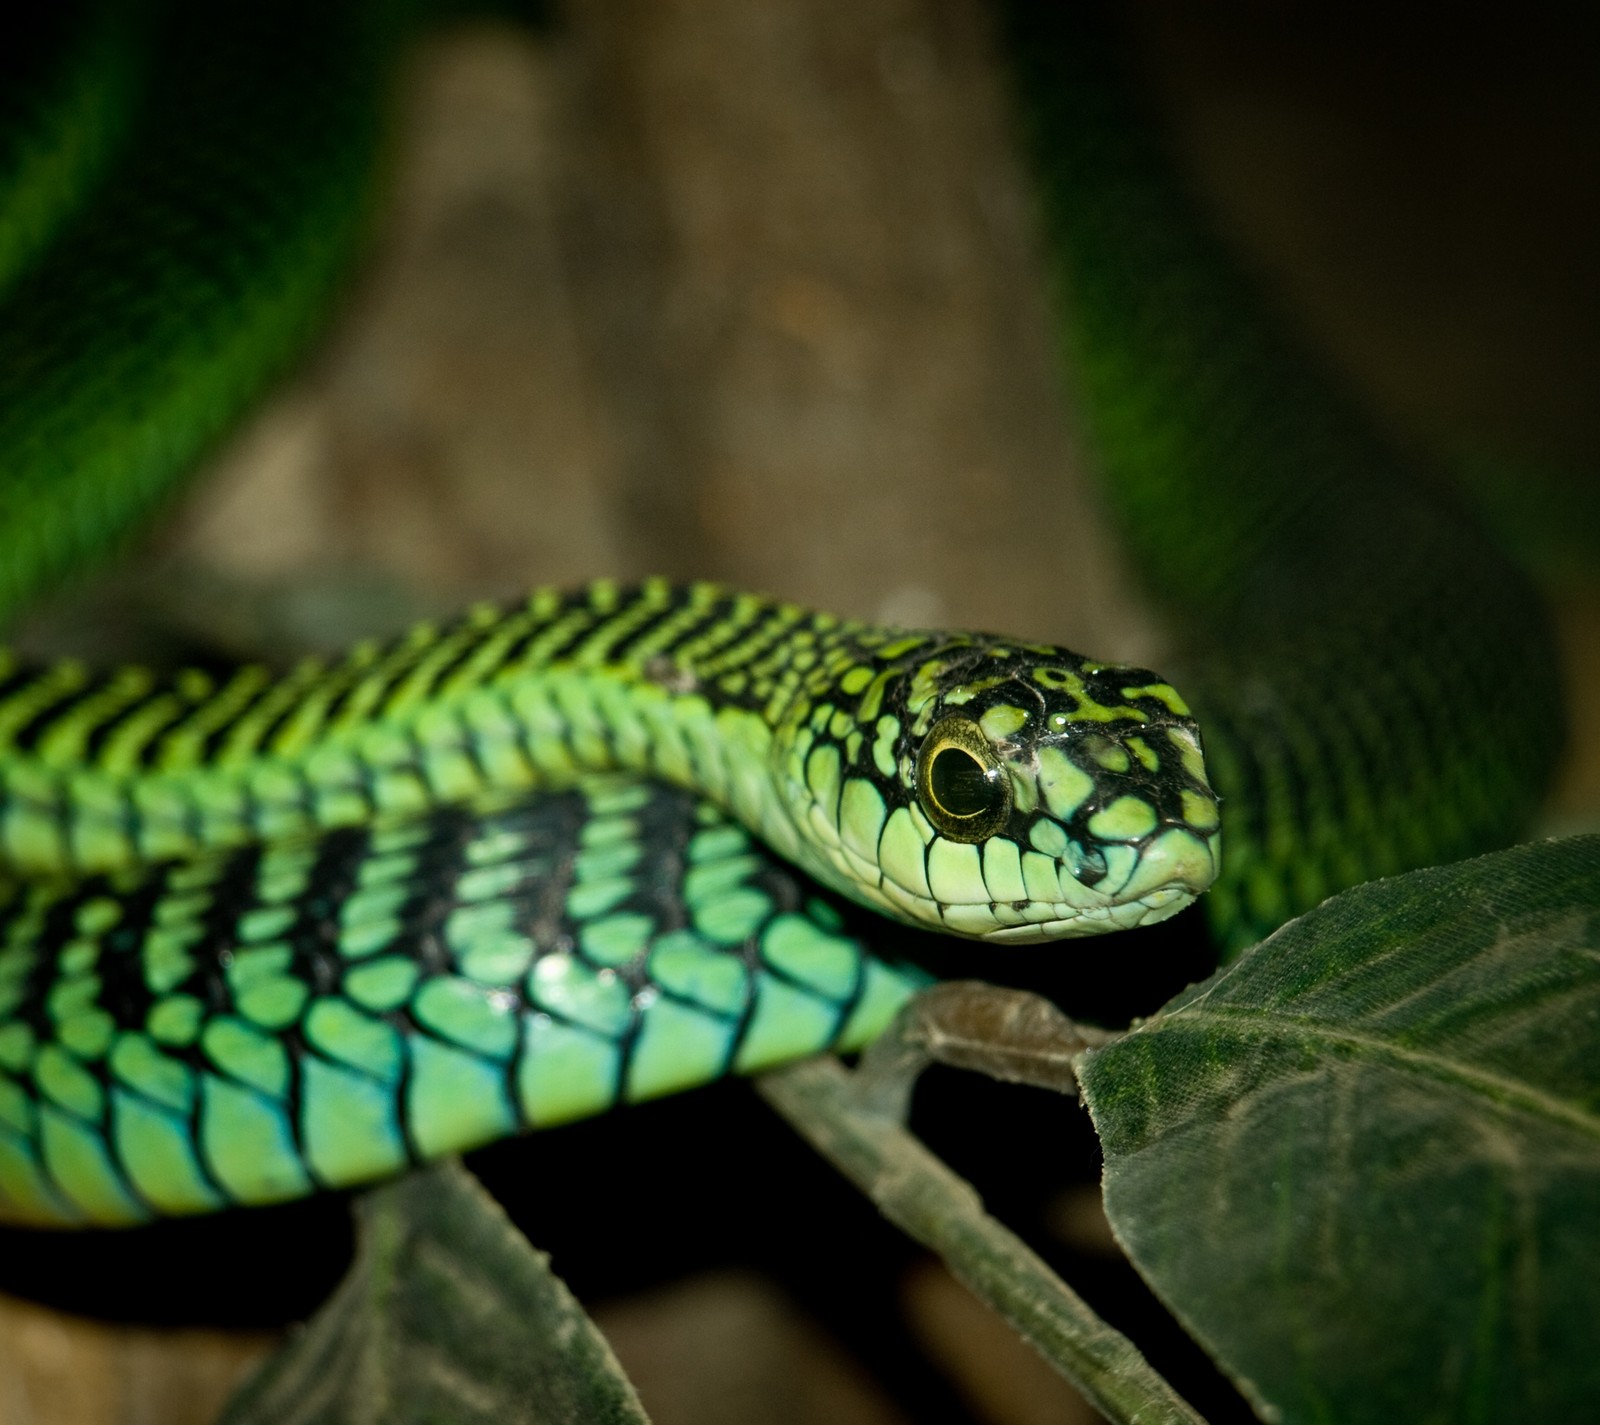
[962, 785]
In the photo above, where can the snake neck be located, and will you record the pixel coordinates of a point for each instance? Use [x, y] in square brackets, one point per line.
[692, 684]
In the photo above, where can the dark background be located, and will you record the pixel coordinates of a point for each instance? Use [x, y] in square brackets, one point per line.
[749, 292]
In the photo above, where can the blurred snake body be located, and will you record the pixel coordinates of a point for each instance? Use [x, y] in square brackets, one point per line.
[262, 934]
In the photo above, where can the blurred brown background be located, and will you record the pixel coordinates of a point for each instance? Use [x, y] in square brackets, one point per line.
[749, 292]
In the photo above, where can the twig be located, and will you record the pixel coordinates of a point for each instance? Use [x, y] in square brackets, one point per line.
[923, 1197]
[1010, 1035]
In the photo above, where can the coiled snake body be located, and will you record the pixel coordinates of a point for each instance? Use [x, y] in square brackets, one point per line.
[262, 935]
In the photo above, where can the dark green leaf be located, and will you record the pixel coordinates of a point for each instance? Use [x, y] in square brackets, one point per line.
[1363, 1163]
[448, 1317]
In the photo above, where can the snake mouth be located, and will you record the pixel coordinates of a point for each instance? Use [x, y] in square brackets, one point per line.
[1075, 922]
[1146, 883]
[1162, 876]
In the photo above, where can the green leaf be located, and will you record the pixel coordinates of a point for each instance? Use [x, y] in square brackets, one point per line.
[1362, 1164]
[449, 1317]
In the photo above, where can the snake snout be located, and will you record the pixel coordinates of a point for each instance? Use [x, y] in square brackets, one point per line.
[1173, 868]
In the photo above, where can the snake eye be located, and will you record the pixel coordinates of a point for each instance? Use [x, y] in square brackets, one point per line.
[962, 785]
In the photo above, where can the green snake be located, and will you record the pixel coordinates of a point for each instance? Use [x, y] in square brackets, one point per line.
[269, 933]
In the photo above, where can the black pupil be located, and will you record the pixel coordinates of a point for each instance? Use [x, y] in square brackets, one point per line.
[959, 783]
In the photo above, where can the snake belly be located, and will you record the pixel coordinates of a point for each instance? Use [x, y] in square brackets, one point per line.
[258, 1024]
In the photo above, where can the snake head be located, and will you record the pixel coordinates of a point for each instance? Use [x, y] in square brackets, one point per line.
[1009, 792]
